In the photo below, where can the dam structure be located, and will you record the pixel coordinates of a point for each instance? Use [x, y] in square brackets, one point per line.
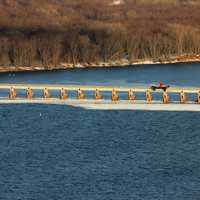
[103, 97]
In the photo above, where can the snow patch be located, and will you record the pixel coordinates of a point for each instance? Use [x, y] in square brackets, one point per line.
[117, 2]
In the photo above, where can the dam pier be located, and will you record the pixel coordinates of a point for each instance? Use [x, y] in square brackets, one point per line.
[30, 92]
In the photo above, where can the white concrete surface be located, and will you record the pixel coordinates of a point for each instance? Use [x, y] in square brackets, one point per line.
[108, 105]
[93, 88]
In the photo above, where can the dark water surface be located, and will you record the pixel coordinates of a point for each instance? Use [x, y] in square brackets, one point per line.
[175, 75]
[57, 152]
[50, 152]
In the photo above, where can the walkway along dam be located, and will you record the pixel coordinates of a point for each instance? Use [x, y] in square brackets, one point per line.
[103, 97]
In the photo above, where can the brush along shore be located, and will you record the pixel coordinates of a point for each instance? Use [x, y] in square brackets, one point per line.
[119, 63]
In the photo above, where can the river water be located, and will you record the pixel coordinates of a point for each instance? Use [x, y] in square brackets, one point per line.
[55, 152]
[175, 75]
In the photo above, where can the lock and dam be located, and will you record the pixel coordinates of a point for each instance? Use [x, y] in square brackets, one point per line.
[103, 97]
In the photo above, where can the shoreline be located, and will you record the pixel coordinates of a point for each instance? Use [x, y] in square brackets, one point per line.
[112, 64]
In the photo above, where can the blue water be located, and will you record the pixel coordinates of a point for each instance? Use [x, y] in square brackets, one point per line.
[175, 75]
[50, 152]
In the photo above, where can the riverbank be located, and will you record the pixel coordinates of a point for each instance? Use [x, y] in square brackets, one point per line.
[119, 63]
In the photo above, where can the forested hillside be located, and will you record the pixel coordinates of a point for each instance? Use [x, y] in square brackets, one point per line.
[50, 32]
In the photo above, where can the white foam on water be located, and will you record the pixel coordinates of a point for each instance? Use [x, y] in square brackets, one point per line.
[108, 105]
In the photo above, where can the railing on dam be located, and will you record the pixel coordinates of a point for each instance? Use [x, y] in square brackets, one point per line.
[64, 92]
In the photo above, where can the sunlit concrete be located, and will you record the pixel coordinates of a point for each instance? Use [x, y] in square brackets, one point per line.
[93, 88]
[108, 105]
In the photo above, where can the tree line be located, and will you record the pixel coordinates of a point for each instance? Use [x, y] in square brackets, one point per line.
[48, 33]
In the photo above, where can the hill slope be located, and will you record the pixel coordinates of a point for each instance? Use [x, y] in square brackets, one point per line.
[48, 32]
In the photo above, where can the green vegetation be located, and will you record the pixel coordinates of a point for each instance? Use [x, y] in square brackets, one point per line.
[50, 32]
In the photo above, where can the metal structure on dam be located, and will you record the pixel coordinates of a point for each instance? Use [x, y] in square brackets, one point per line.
[96, 92]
